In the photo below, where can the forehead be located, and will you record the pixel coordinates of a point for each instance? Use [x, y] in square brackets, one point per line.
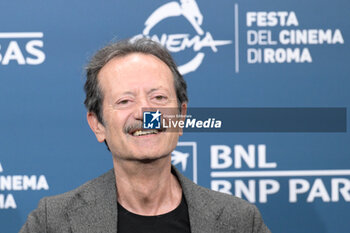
[134, 69]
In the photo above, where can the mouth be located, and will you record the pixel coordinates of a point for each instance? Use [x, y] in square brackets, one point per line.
[144, 132]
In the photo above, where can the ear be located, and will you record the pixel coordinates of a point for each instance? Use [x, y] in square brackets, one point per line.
[183, 113]
[96, 126]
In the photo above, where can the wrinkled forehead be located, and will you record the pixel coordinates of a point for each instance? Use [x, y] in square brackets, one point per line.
[136, 69]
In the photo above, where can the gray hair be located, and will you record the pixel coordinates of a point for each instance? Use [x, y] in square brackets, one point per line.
[94, 95]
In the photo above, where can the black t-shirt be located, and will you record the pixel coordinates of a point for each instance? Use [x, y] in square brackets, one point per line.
[175, 221]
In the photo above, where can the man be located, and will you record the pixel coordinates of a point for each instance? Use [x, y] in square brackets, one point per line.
[143, 193]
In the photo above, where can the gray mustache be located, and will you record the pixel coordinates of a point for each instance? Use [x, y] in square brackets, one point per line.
[133, 126]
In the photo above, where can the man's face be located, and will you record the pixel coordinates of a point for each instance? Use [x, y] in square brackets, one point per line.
[129, 84]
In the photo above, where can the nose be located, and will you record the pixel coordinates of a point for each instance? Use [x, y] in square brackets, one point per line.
[141, 106]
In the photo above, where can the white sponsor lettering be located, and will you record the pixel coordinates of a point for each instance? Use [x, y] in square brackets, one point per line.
[271, 19]
[260, 37]
[308, 191]
[262, 183]
[19, 182]
[241, 190]
[280, 55]
[220, 156]
[7, 201]
[223, 186]
[267, 187]
[311, 36]
[31, 54]
[248, 191]
[318, 190]
[32, 48]
[340, 185]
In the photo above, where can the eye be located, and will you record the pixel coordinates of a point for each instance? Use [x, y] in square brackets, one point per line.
[160, 97]
[123, 102]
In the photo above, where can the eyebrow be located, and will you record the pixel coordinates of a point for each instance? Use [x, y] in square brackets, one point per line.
[154, 89]
[148, 92]
[128, 93]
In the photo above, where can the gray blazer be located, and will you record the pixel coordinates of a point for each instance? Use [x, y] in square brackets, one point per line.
[93, 208]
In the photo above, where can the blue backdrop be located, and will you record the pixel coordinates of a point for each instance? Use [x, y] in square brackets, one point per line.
[232, 53]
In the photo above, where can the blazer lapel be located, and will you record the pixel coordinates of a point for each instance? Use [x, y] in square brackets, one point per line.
[96, 208]
[204, 212]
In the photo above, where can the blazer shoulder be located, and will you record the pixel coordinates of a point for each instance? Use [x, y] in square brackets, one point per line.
[246, 215]
[233, 211]
[200, 198]
[85, 193]
[230, 202]
[51, 215]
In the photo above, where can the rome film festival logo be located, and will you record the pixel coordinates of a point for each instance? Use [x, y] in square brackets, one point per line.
[179, 42]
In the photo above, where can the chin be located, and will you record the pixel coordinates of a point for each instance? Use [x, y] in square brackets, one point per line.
[148, 160]
[154, 158]
[145, 159]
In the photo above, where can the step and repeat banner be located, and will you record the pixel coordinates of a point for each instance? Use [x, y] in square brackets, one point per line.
[255, 58]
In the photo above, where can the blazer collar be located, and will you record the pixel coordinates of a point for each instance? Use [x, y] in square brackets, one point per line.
[95, 206]
[204, 211]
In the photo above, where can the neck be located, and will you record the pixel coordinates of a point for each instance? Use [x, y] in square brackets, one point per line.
[147, 188]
